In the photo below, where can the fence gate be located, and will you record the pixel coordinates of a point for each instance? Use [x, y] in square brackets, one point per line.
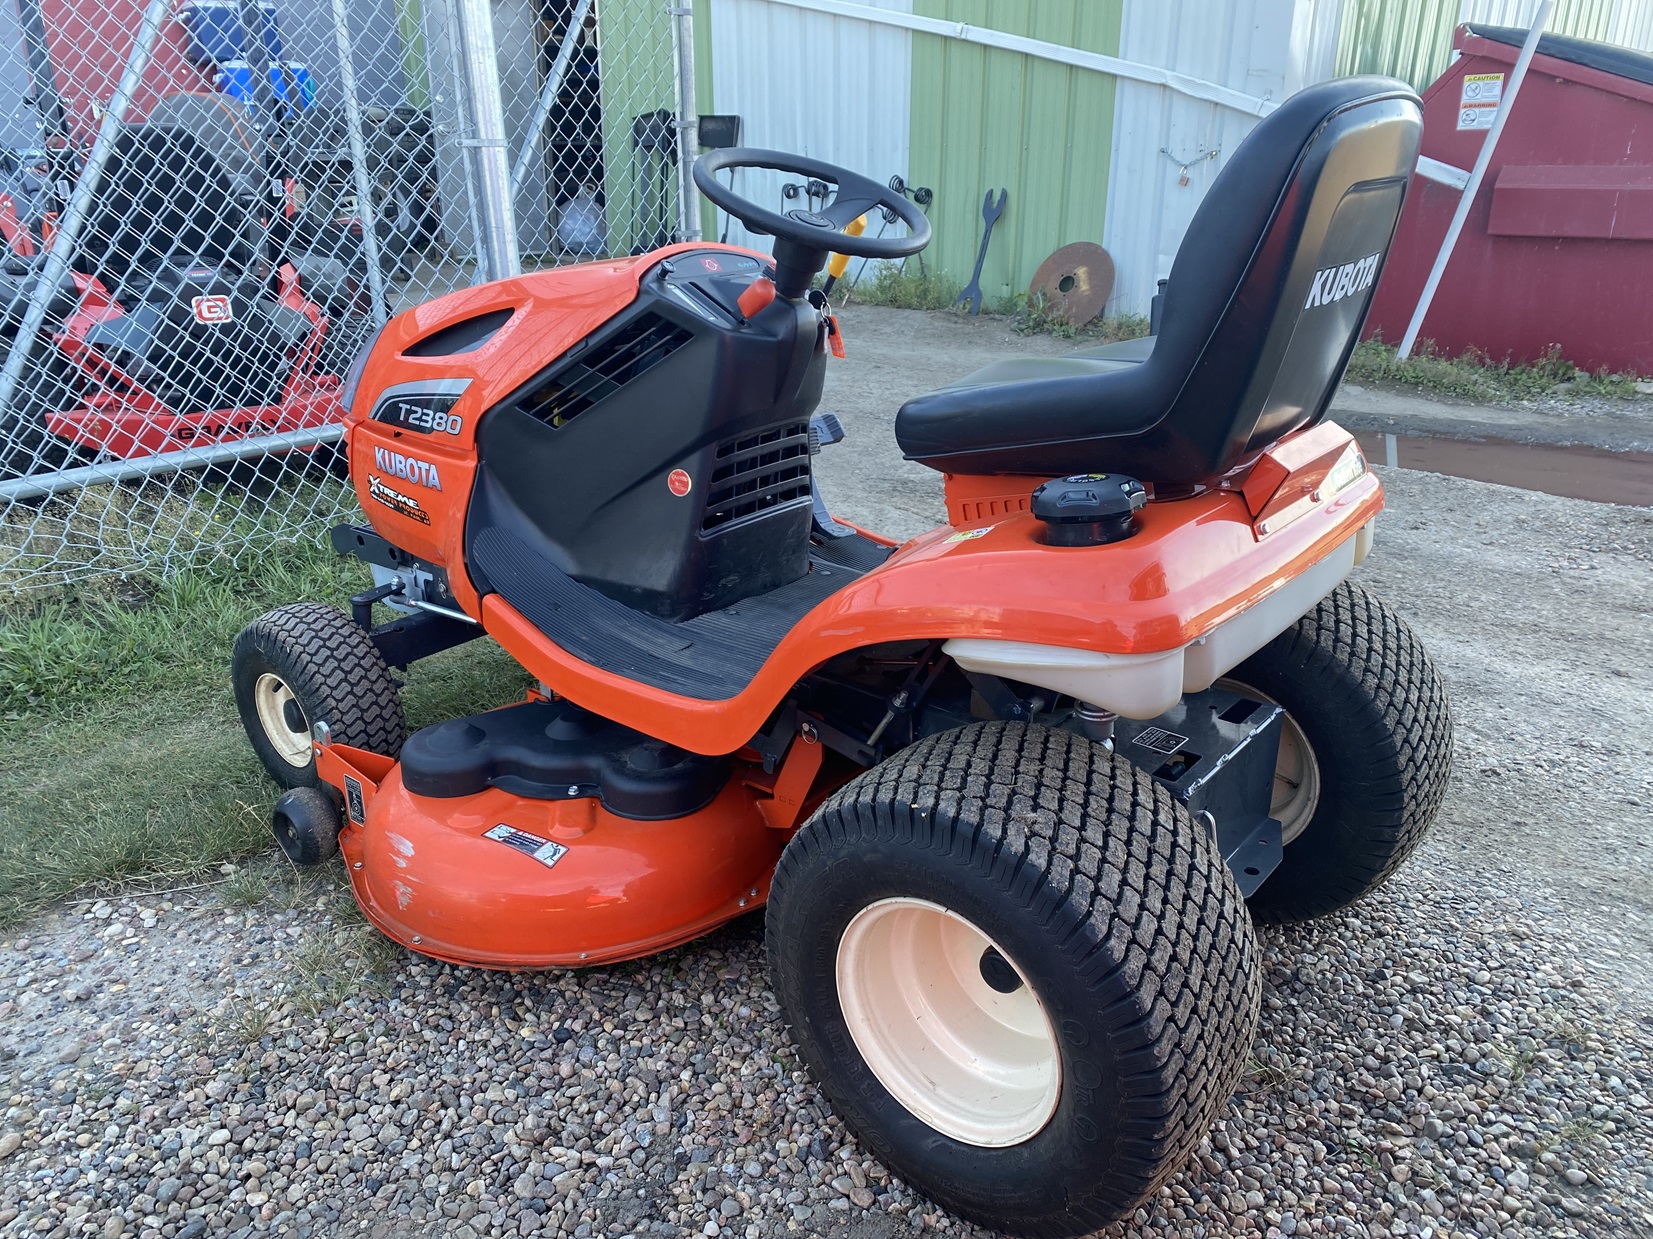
[208, 208]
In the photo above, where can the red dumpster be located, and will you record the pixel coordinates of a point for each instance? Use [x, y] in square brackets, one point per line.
[1558, 246]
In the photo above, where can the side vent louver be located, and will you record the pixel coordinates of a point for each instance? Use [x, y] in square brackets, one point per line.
[605, 368]
[756, 472]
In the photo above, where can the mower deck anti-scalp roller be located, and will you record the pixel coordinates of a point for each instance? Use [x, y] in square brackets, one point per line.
[1014, 791]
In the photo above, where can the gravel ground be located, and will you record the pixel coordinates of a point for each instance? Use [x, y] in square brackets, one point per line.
[1469, 1053]
[1437, 1064]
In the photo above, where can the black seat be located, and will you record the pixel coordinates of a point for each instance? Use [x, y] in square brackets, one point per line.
[165, 199]
[1264, 304]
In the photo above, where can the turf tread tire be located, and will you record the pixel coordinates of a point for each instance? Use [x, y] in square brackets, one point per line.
[1360, 685]
[1109, 886]
[333, 668]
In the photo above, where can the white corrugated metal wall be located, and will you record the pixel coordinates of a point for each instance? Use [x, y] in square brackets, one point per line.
[1629, 22]
[1168, 147]
[833, 88]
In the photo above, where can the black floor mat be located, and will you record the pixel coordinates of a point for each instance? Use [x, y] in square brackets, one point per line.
[710, 657]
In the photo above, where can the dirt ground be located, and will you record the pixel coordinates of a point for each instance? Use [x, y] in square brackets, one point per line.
[1537, 609]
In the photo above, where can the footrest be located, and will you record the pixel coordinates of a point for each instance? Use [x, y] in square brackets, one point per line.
[711, 657]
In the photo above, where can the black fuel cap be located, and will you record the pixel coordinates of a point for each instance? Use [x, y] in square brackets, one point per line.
[1088, 509]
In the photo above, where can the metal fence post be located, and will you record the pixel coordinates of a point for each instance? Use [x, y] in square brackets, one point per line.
[481, 57]
[548, 96]
[56, 265]
[462, 120]
[688, 121]
[358, 162]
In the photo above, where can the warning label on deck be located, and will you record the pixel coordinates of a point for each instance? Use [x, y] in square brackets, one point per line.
[1478, 99]
[542, 850]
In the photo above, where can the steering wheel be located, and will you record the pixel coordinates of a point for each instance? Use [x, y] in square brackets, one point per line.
[803, 239]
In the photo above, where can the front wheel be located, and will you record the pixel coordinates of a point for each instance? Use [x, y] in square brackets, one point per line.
[1365, 751]
[303, 664]
[1019, 971]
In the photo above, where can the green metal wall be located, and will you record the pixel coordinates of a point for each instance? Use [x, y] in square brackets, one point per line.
[410, 27]
[635, 63]
[987, 118]
[1412, 39]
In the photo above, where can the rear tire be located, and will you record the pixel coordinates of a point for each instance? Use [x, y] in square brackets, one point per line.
[1058, 918]
[1364, 699]
[307, 663]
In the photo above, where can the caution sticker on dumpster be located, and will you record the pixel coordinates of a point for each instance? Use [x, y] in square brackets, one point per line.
[1478, 99]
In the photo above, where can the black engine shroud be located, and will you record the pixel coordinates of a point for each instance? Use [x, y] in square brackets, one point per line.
[664, 461]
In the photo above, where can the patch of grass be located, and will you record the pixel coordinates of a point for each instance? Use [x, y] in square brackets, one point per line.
[1519, 1060]
[1032, 316]
[247, 1020]
[1581, 1131]
[121, 755]
[906, 288]
[1475, 377]
[331, 965]
[245, 889]
[105, 535]
[1268, 1075]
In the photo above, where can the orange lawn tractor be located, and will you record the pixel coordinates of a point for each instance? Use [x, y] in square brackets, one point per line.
[1013, 791]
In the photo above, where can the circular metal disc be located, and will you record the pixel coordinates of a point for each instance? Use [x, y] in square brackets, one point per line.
[1075, 282]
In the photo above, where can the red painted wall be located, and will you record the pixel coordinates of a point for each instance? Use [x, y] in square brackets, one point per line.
[90, 42]
[1558, 247]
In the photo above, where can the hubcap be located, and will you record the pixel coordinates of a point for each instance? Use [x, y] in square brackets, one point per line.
[1296, 772]
[948, 1023]
[278, 709]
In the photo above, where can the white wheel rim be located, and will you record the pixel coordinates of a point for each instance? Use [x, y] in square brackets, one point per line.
[270, 697]
[977, 1065]
[1296, 772]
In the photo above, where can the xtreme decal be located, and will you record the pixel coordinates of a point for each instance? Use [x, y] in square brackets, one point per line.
[397, 502]
[1335, 283]
[407, 468]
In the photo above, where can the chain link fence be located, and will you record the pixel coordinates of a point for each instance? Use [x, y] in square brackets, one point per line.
[207, 209]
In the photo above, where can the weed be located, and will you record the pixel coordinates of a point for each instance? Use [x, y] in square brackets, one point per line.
[246, 889]
[1267, 1075]
[329, 966]
[906, 288]
[1031, 316]
[247, 1020]
[1580, 1131]
[1567, 1033]
[1365, 1154]
[1473, 376]
[1518, 1060]
[302, 888]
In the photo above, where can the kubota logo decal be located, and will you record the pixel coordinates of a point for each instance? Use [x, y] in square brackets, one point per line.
[408, 468]
[1336, 283]
[213, 309]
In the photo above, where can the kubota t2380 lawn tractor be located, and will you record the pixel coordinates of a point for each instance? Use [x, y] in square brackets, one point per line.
[1008, 789]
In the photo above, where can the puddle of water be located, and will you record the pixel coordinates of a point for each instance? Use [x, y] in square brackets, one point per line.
[1573, 472]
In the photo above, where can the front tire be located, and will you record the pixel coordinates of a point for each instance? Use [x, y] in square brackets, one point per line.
[307, 663]
[1366, 751]
[1019, 971]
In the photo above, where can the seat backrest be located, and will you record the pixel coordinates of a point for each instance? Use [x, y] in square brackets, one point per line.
[1271, 285]
[164, 199]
